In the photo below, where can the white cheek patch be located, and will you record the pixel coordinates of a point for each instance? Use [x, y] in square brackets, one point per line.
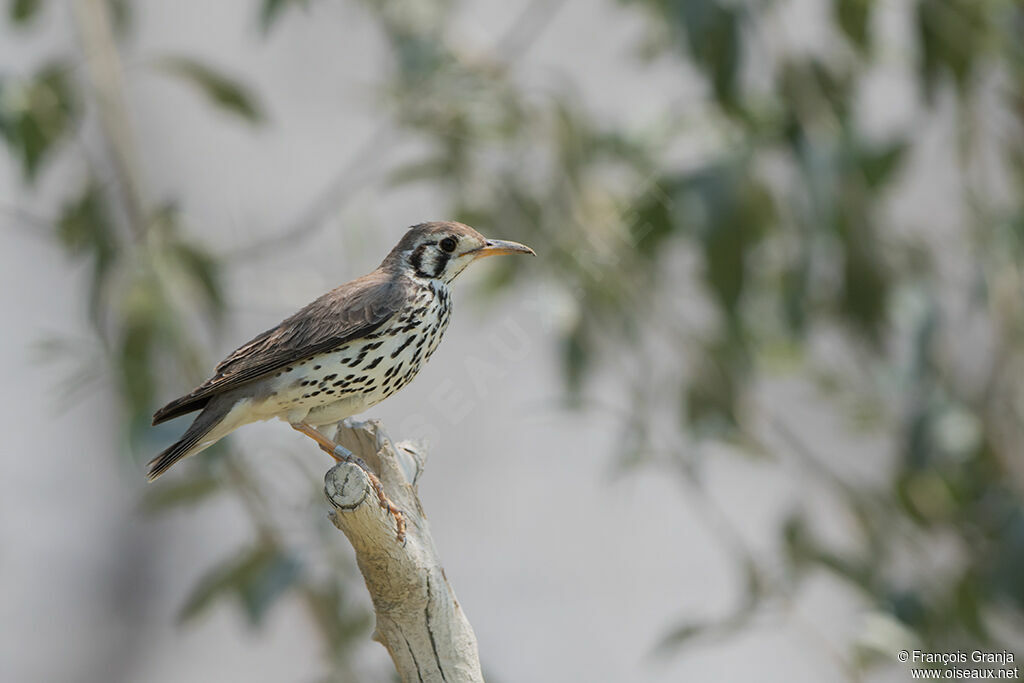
[428, 261]
[456, 266]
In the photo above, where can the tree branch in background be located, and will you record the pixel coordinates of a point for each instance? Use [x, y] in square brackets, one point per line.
[419, 619]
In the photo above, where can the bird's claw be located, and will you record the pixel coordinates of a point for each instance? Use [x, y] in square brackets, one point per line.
[346, 455]
[389, 507]
[399, 521]
[342, 454]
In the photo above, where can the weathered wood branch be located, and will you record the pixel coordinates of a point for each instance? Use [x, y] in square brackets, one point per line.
[419, 620]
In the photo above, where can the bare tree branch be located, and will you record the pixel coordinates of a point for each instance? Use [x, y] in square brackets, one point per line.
[419, 620]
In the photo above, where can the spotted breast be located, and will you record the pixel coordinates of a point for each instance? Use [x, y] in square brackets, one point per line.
[354, 376]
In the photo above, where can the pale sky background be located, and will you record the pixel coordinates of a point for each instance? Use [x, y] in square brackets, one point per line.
[567, 571]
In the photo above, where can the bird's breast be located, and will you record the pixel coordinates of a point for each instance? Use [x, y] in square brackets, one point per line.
[362, 372]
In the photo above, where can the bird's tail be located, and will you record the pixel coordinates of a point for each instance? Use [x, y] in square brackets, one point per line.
[211, 425]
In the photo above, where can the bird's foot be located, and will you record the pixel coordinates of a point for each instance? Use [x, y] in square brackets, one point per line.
[342, 454]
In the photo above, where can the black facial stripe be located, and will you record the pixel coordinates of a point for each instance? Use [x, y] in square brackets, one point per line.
[442, 261]
[428, 261]
[417, 260]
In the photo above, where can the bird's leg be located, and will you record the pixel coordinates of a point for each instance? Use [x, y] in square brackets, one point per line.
[342, 454]
[312, 432]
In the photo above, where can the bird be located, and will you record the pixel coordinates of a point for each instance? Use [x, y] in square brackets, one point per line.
[344, 352]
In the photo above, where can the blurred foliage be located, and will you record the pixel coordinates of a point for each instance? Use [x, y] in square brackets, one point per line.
[256, 577]
[222, 91]
[271, 11]
[693, 281]
[151, 287]
[35, 114]
[795, 246]
[23, 11]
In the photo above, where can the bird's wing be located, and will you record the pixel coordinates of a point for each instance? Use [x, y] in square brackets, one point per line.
[349, 312]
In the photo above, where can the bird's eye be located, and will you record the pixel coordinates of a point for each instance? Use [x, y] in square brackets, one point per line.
[449, 244]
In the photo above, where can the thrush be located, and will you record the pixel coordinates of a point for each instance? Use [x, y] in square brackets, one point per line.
[343, 353]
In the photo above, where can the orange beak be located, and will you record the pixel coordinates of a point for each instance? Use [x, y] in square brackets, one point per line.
[498, 247]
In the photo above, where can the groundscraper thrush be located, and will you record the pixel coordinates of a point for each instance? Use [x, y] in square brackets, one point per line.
[344, 352]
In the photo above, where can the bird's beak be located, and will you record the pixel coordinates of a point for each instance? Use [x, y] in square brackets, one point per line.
[498, 247]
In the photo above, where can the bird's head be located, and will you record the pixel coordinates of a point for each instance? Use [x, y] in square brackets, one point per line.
[441, 250]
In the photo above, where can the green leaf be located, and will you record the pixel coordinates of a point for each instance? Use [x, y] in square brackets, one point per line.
[221, 90]
[712, 394]
[752, 597]
[712, 31]
[335, 615]
[681, 635]
[969, 600]
[223, 580]
[256, 577]
[203, 269]
[908, 606]
[865, 278]
[85, 230]
[35, 115]
[83, 226]
[795, 290]
[575, 358]
[264, 587]
[952, 34]
[23, 11]
[165, 496]
[121, 12]
[854, 17]
[142, 323]
[795, 538]
[653, 220]
[710, 401]
[730, 212]
[271, 11]
[135, 353]
[878, 163]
